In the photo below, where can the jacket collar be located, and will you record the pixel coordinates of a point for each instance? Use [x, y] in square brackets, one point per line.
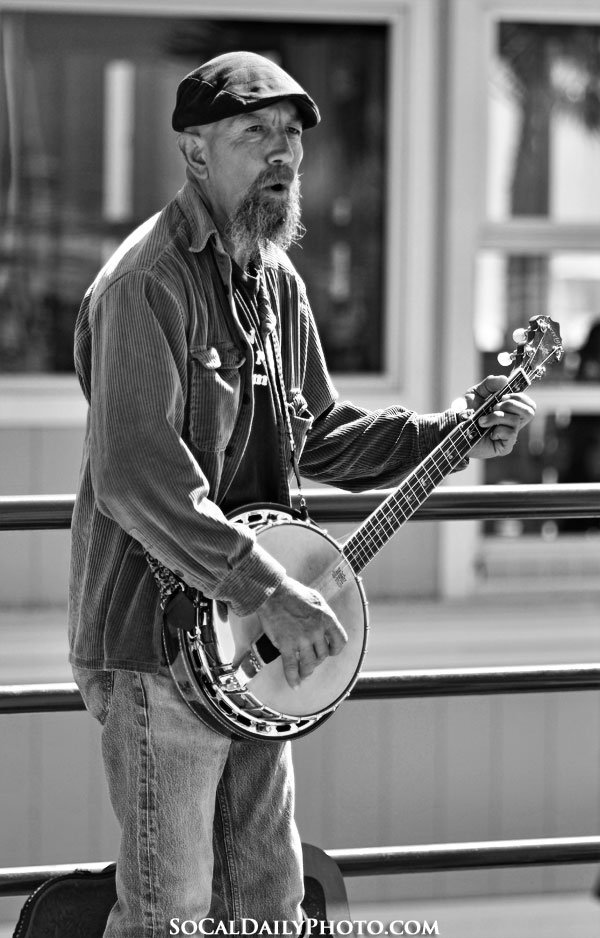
[199, 220]
[202, 226]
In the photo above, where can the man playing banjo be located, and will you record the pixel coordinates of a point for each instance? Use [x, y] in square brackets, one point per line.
[198, 354]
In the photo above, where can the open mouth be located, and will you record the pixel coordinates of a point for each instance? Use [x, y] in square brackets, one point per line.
[278, 187]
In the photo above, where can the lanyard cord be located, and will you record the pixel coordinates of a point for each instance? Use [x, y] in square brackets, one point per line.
[288, 421]
[282, 395]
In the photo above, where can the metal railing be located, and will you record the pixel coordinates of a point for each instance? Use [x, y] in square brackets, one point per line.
[458, 503]
[548, 502]
[373, 861]
[371, 685]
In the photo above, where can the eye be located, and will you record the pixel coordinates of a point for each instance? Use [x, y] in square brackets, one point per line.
[295, 130]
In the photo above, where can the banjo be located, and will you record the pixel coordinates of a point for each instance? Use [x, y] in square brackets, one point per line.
[227, 670]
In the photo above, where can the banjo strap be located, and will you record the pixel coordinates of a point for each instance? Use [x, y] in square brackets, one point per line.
[280, 388]
[285, 407]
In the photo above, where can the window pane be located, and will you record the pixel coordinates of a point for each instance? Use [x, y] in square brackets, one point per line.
[510, 289]
[544, 122]
[561, 447]
[86, 154]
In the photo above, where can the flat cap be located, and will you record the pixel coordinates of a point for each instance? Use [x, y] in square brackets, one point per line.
[236, 83]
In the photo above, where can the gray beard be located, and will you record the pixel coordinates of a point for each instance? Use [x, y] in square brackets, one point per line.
[260, 220]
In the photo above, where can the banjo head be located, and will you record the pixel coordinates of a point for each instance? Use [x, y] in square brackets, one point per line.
[306, 552]
[206, 663]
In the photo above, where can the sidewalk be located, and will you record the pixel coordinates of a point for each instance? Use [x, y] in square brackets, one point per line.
[548, 916]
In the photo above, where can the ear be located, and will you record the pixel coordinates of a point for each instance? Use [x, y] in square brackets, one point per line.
[193, 145]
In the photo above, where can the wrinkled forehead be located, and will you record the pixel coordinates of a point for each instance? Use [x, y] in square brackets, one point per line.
[284, 111]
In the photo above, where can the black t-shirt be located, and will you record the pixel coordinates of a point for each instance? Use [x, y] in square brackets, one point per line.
[258, 476]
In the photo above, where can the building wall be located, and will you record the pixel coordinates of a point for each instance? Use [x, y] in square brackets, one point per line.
[436, 229]
[37, 461]
[41, 444]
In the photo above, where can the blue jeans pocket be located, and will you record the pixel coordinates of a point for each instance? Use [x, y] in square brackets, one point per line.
[96, 688]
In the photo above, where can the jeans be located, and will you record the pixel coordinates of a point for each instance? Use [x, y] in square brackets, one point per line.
[207, 823]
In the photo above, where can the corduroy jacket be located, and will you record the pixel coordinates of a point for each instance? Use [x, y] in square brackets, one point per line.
[166, 369]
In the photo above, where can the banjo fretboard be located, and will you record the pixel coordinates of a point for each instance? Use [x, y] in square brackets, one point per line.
[374, 533]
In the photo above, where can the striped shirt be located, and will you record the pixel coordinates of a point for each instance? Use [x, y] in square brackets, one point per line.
[166, 368]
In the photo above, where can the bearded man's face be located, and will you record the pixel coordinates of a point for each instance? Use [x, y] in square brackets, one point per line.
[248, 172]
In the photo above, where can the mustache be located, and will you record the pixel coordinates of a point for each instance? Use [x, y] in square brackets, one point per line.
[275, 175]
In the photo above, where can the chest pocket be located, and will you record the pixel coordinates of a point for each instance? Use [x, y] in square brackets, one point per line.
[215, 382]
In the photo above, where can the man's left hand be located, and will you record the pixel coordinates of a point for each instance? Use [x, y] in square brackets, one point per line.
[510, 415]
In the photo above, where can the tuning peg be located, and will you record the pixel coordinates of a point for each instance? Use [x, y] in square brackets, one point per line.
[520, 336]
[505, 359]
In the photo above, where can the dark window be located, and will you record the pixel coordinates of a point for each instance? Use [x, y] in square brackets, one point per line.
[87, 153]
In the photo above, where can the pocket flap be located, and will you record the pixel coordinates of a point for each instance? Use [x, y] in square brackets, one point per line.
[227, 356]
[208, 357]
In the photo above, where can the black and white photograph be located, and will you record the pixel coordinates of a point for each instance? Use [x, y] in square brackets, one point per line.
[299, 468]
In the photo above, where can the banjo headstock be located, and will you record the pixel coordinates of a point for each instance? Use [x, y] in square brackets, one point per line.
[537, 347]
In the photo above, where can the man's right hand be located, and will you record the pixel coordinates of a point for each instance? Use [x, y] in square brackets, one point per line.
[302, 627]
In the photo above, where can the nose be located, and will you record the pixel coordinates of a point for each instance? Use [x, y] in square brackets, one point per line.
[280, 148]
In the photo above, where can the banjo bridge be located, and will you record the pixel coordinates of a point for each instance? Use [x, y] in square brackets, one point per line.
[339, 575]
[334, 578]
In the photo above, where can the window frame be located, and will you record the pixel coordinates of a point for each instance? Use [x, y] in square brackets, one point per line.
[466, 231]
[409, 241]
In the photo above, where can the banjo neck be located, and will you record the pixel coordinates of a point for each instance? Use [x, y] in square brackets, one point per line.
[374, 533]
[538, 346]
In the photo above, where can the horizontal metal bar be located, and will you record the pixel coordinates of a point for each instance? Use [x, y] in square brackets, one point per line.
[478, 502]
[35, 512]
[371, 685]
[22, 880]
[481, 502]
[450, 682]
[40, 698]
[373, 861]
